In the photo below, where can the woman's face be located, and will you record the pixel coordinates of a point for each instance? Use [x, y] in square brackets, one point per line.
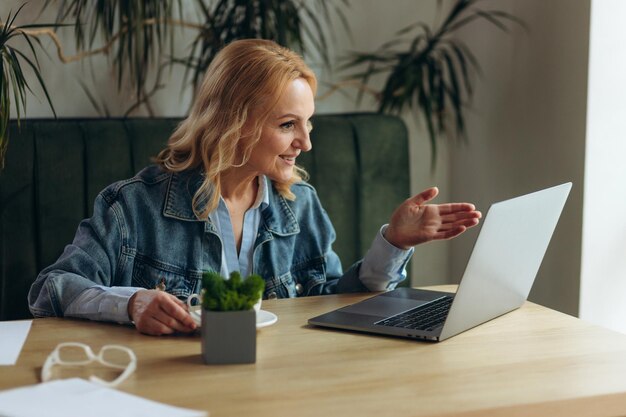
[285, 133]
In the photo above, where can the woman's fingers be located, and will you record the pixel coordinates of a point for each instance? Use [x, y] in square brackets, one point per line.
[177, 311]
[467, 223]
[450, 208]
[425, 196]
[463, 213]
[156, 312]
[449, 234]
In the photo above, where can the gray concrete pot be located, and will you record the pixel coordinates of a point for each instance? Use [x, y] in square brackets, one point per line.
[228, 336]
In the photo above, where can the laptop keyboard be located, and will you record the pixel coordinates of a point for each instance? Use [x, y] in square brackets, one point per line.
[425, 317]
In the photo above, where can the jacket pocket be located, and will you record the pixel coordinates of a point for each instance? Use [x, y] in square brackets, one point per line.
[149, 273]
[309, 276]
[282, 286]
[305, 278]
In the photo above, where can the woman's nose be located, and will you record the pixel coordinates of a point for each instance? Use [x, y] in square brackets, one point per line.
[303, 141]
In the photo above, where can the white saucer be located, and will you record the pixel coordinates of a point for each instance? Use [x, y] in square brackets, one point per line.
[263, 318]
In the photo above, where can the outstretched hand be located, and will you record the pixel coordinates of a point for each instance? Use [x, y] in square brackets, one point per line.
[415, 222]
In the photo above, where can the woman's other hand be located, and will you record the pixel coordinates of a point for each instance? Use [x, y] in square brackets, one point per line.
[415, 222]
[156, 313]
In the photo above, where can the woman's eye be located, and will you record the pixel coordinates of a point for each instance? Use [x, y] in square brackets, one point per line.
[288, 125]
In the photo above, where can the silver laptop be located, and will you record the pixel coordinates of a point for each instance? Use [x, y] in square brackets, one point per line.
[498, 277]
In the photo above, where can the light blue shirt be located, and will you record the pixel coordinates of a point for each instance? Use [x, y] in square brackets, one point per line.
[242, 261]
[382, 269]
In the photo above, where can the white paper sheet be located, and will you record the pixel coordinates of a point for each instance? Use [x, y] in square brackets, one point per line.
[78, 397]
[12, 337]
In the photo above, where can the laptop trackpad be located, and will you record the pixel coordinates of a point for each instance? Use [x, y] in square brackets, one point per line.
[382, 306]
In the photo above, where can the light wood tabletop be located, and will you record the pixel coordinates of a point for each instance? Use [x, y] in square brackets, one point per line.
[533, 361]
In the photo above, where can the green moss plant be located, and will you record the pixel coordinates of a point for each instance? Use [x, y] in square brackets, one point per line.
[234, 294]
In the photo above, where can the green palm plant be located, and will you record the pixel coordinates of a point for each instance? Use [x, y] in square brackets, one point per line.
[134, 34]
[13, 82]
[289, 23]
[429, 71]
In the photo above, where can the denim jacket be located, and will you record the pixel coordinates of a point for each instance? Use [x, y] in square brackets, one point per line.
[143, 231]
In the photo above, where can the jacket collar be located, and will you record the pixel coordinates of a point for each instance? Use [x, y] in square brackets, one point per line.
[180, 191]
[278, 217]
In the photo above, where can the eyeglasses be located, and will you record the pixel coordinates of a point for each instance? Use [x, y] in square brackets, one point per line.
[74, 354]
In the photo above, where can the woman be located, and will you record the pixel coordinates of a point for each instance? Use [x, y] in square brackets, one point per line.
[227, 195]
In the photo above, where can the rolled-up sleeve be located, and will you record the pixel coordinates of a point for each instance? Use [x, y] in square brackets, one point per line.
[384, 265]
[102, 304]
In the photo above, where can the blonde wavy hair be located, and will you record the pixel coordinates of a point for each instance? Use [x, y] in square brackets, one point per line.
[244, 82]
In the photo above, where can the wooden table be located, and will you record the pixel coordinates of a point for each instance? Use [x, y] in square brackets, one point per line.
[533, 361]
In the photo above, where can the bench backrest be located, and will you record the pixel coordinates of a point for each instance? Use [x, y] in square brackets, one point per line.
[55, 169]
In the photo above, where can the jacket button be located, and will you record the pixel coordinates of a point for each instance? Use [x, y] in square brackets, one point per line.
[299, 288]
[272, 295]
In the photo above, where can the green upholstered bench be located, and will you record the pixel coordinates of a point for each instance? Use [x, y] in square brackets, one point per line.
[55, 169]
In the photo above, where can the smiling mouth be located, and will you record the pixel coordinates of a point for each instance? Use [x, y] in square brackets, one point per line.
[288, 159]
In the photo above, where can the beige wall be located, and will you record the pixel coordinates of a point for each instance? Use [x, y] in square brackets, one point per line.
[528, 130]
[64, 80]
[372, 22]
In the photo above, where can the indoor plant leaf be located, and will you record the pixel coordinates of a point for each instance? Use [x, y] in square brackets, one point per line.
[433, 75]
[12, 79]
[234, 294]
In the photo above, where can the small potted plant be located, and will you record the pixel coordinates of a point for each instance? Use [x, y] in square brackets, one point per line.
[228, 317]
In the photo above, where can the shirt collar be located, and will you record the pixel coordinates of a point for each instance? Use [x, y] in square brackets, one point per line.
[263, 194]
